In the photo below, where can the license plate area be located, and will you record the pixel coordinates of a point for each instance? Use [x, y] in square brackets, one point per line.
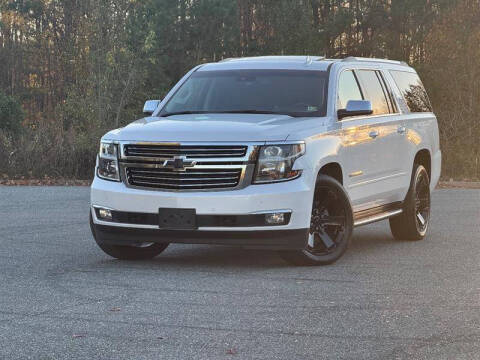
[177, 219]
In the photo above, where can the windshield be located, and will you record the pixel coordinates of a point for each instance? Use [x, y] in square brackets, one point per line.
[290, 92]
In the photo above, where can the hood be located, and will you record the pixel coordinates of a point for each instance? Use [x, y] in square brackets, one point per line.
[214, 127]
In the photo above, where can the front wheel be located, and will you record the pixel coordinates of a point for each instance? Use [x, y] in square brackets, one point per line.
[331, 226]
[143, 251]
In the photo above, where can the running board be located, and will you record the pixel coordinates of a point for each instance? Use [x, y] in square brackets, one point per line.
[375, 218]
[379, 213]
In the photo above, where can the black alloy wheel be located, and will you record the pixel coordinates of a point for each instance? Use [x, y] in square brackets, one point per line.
[422, 202]
[330, 226]
[413, 223]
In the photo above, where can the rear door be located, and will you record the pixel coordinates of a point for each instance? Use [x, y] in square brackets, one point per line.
[373, 146]
[421, 129]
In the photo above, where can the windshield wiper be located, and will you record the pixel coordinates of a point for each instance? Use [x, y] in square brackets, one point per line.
[247, 111]
[184, 113]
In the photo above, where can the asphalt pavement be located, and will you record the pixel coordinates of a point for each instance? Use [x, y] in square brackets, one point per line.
[62, 298]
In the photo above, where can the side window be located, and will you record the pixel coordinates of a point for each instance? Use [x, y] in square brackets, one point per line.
[413, 91]
[388, 92]
[348, 89]
[373, 90]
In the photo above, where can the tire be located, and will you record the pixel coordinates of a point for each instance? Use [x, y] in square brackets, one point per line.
[413, 223]
[128, 252]
[331, 226]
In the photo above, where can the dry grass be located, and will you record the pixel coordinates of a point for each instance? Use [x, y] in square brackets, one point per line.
[44, 182]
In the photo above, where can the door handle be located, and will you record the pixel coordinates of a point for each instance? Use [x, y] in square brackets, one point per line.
[401, 130]
[373, 134]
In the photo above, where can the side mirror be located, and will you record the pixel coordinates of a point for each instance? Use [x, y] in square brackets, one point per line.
[356, 108]
[150, 106]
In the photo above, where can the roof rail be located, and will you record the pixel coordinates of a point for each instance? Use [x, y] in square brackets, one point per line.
[307, 58]
[385, 61]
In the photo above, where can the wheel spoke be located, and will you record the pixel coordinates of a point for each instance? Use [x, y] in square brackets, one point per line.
[311, 241]
[421, 219]
[326, 239]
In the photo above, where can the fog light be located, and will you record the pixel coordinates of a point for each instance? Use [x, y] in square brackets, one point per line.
[275, 218]
[105, 214]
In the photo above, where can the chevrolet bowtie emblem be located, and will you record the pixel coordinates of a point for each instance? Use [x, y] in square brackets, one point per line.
[179, 163]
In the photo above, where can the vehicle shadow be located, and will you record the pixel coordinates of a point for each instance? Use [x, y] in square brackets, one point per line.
[209, 256]
[371, 239]
[366, 242]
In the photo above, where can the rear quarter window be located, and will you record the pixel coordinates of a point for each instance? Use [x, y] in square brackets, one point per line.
[413, 91]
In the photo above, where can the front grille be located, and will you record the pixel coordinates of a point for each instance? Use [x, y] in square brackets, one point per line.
[188, 151]
[191, 179]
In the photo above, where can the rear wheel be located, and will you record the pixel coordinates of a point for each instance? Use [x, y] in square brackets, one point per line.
[330, 226]
[141, 251]
[413, 223]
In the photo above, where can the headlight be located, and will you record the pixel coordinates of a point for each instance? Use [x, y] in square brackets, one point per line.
[275, 163]
[108, 162]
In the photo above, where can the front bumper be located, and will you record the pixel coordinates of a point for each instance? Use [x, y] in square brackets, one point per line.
[270, 239]
[294, 196]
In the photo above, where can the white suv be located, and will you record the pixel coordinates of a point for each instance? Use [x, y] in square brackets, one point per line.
[286, 153]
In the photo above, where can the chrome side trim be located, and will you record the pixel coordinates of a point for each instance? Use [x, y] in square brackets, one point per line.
[283, 211]
[377, 180]
[378, 217]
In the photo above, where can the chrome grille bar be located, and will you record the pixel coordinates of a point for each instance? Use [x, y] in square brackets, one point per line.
[137, 177]
[184, 186]
[161, 172]
[189, 151]
[198, 178]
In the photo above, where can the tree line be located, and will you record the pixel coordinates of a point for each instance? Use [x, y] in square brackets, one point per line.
[72, 69]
